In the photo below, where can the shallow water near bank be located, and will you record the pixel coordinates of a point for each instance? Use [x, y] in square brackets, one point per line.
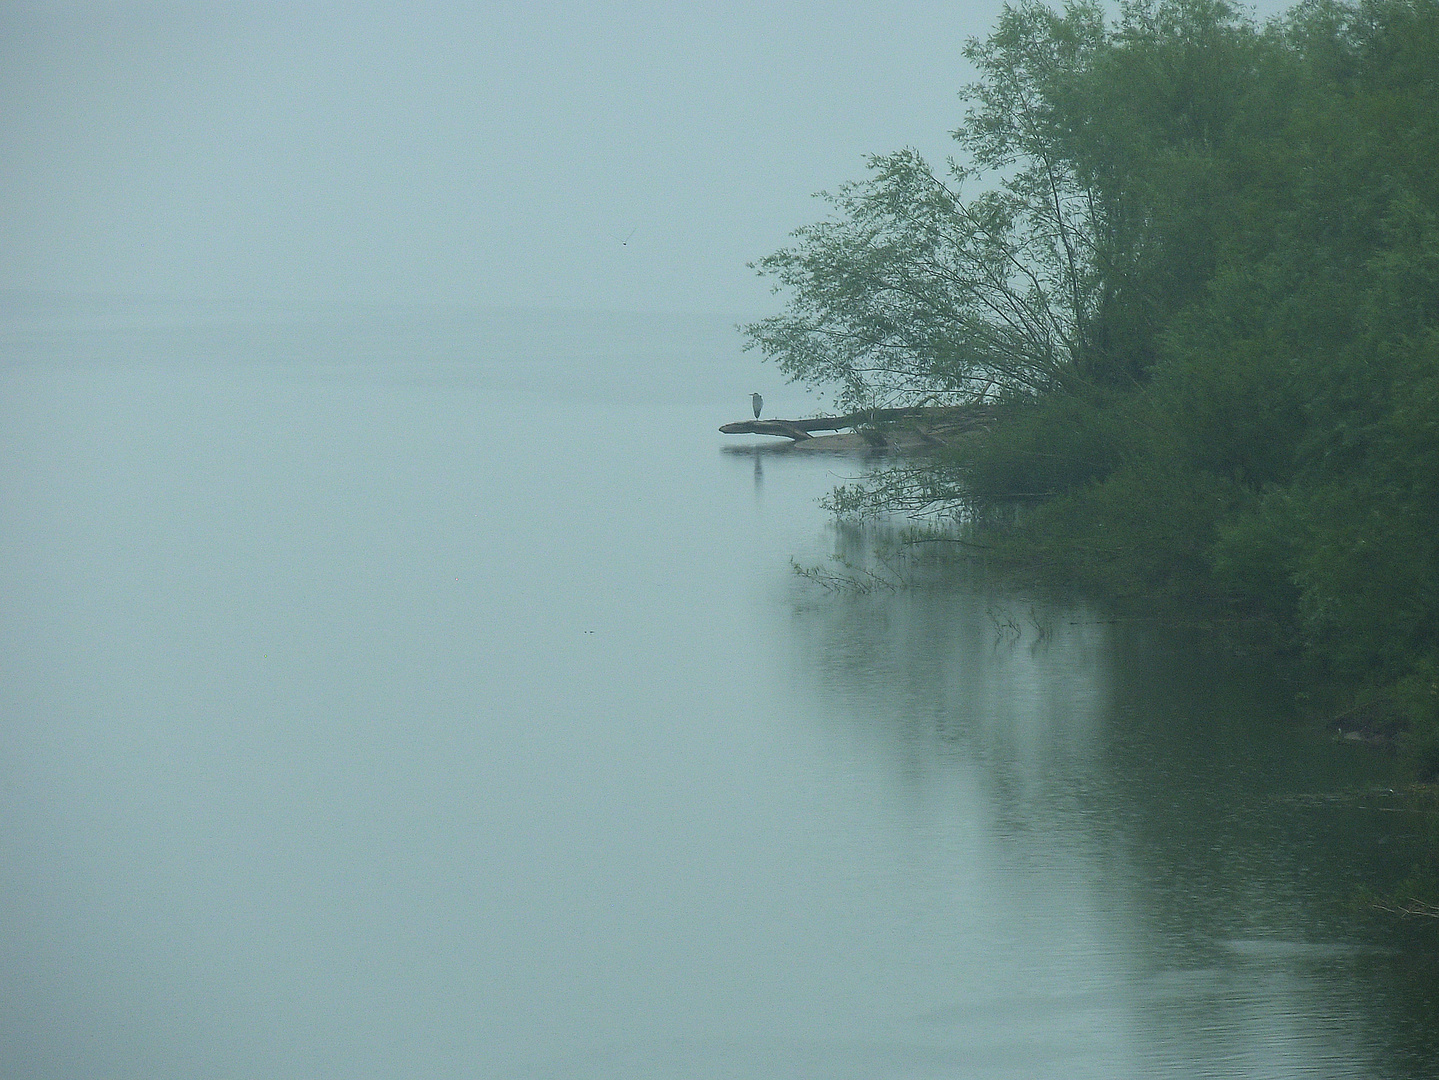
[401, 693]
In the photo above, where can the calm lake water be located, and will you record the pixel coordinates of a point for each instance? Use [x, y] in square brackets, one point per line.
[429, 694]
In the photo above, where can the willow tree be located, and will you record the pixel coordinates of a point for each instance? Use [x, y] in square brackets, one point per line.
[1081, 213]
[916, 291]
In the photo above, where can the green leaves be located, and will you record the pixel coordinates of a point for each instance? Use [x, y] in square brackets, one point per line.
[1199, 261]
[912, 295]
[1083, 216]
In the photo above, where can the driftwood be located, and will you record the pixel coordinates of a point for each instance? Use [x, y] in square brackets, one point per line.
[925, 421]
[791, 429]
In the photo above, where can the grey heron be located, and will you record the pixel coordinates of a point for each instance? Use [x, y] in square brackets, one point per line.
[758, 403]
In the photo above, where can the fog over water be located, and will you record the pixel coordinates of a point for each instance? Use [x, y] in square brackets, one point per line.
[486, 153]
[396, 692]
[400, 677]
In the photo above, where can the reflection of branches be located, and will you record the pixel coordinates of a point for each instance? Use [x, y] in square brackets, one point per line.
[915, 490]
[1006, 627]
[852, 579]
[1413, 906]
[947, 540]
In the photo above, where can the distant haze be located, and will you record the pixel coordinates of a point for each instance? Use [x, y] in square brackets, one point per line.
[491, 153]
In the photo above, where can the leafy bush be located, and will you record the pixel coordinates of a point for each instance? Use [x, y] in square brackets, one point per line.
[1199, 267]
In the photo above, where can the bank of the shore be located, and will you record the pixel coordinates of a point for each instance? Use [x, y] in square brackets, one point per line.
[1139, 560]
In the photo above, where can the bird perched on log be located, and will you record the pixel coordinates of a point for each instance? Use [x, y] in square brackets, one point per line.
[758, 403]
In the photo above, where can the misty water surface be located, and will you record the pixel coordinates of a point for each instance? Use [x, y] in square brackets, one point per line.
[406, 693]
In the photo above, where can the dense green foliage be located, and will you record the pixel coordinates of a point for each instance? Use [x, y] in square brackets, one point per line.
[1199, 270]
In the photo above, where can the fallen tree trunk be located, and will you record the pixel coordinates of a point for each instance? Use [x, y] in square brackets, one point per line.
[788, 428]
[954, 416]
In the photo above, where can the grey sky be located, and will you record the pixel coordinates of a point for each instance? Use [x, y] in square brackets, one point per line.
[495, 153]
